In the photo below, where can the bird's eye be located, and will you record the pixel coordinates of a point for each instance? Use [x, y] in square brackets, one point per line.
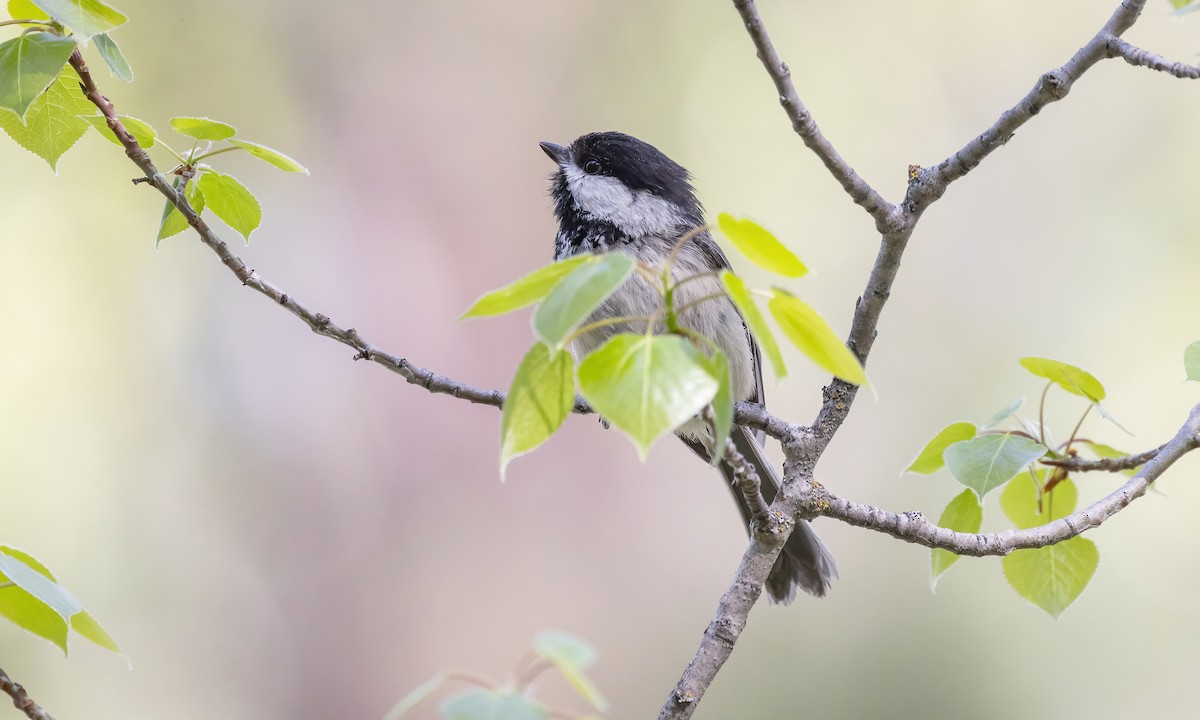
[591, 167]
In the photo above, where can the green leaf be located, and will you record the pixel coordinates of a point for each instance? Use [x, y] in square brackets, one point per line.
[85, 18]
[487, 705]
[565, 649]
[141, 131]
[231, 201]
[987, 462]
[419, 695]
[1068, 377]
[646, 385]
[25, 10]
[722, 403]
[929, 460]
[1053, 577]
[572, 655]
[574, 298]
[1020, 500]
[760, 246]
[46, 616]
[202, 128]
[1191, 361]
[113, 57]
[31, 589]
[541, 396]
[173, 222]
[736, 289]
[83, 623]
[530, 289]
[1004, 414]
[809, 332]
[276, 158]
[52, 124]
[1180, 4]
[28, 64]
[963, 514]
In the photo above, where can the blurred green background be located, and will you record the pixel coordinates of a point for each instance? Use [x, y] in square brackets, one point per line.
[272, 530]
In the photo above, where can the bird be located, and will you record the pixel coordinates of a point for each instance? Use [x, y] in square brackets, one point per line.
[615, 193]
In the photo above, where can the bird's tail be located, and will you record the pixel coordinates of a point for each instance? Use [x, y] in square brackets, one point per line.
[805, 561]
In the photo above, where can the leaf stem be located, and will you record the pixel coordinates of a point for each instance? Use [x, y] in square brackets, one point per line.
[605, 323]
[530, 672]
[39, 23]
[696, 276]
[171, 150]
[1078, 425]
[698, 301]
[200, 157]
[1042, 414]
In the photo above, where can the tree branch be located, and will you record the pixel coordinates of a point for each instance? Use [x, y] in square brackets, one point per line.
[914, 528]
[800, 495]
[1051, 87]
[1143, 58]
[21, 699]
[859, 190]
[1115, 464]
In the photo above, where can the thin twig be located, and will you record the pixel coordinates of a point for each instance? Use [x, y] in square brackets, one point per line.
[859, 190]
[1116, 464]
[1138, 57]
[912, 527]
[21, 699]
[748, 484]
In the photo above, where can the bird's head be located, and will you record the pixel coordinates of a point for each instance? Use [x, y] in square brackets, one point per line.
[621, 183]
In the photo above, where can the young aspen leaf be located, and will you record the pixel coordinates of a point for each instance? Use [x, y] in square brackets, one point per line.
[113, 57]
[541, 396]
[737, 292]
[141, 131]
[84, 18]
[809, 332]
[1191, 362]
[929, 460]
[760, 246]
[574, 298]
[270, 155]
[1004, 414]
[482, 704]
[231, 201]
[646, 385]
[40, 605]
[25, 10]
[571, 655]
[202, 128]
[1068, 377]
[1051, 577]
[28, 64]
[963, 514]
[52, 124]
[987, 462]
[530, 289]
[173, 222]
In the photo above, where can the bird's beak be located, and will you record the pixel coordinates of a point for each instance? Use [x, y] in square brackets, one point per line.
[557, 153]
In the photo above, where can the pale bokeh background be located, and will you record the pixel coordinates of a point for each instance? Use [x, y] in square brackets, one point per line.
[274, 531]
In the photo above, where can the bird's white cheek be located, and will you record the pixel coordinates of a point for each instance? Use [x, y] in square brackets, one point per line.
[638, 214]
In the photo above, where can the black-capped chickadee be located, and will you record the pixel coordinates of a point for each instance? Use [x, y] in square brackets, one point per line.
[613, 192]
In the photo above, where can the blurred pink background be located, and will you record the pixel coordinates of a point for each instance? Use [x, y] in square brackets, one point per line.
[273, 530]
